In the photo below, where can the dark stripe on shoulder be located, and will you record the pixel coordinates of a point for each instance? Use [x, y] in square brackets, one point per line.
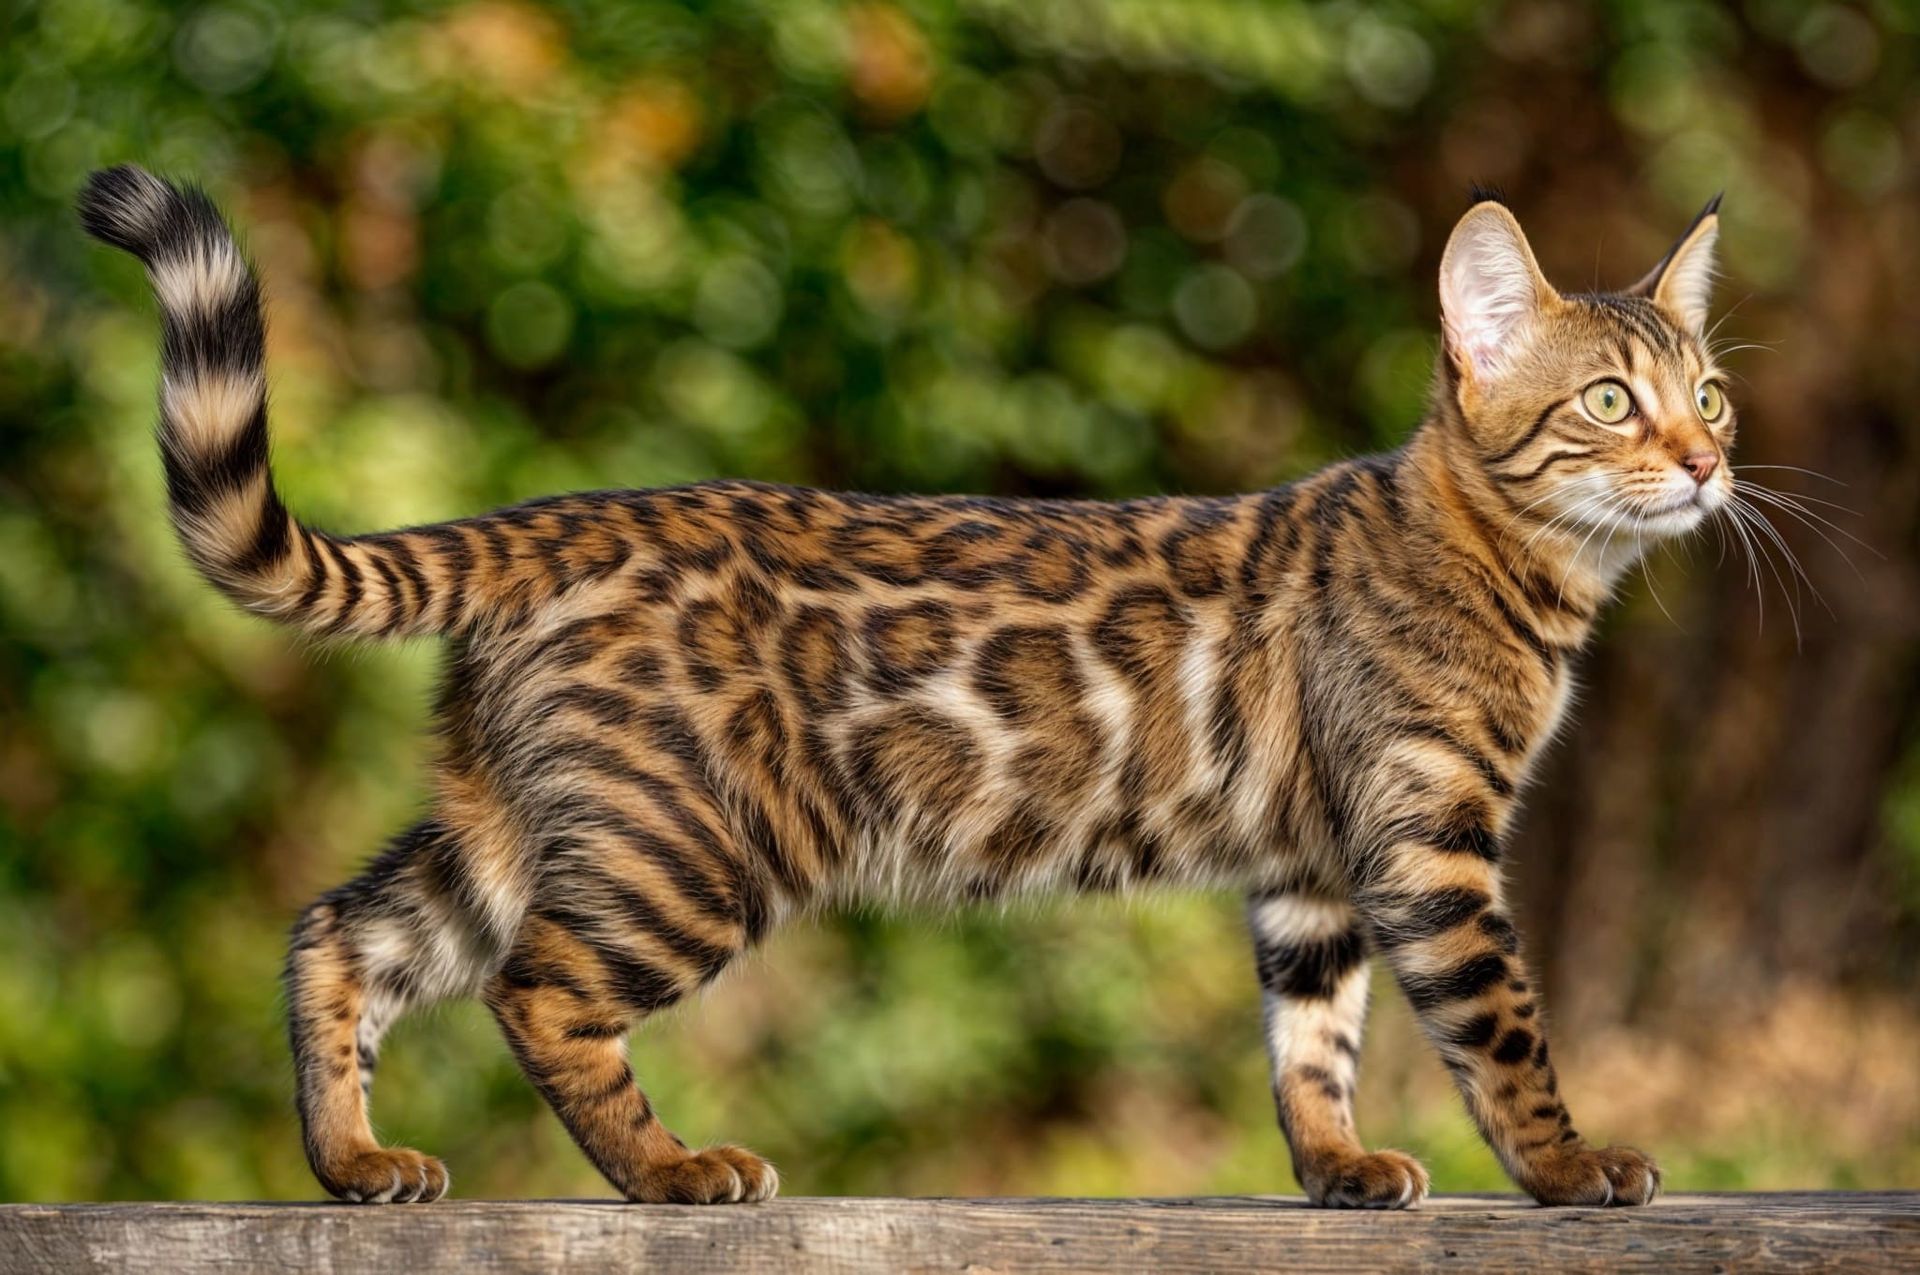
[1496, 780]
[1549, 657]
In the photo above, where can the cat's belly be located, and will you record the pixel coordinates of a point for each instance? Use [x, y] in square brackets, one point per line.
[1068, 811]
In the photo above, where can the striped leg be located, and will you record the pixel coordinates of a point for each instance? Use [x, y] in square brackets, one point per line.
[386, 942]
[566, 1014]
[1312, 959]
[1432, 903]
[644, 897]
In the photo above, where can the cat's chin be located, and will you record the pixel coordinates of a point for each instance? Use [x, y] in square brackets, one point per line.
[1643, 526]
[1671, 522]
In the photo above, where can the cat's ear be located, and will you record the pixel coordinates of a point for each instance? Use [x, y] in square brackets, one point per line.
[1491, 291]
[1683, 281]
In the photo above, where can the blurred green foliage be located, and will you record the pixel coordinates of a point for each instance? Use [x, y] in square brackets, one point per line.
[1101, 247]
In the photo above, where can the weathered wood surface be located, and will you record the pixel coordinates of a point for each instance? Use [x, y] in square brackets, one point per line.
[1813, 1231]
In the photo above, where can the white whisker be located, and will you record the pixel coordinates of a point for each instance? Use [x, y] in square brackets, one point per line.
[1813, 522]
[1786, 551]
[1811, 473]
[1557, 491]
[1712, 331]
[1646, 573]
[1799, 501]
[1613, 501]
[1753, 566]
[1760, 528]
[1571, 515]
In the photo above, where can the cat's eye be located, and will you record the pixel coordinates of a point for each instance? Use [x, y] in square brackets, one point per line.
[1607, 402]
[1710, 401]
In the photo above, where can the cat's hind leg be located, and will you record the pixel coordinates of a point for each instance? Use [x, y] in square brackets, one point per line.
[642, 901]
[566, 1010]
[396, 937]
[1311, 955]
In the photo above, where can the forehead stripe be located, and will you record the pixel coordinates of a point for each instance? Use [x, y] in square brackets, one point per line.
[1638, 318]
[1624, 349]
[1656, 334]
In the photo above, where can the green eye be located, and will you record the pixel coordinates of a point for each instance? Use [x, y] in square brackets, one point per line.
[1607, 402]
[1710, 401]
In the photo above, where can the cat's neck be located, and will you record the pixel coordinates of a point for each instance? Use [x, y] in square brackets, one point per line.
[1576, 564]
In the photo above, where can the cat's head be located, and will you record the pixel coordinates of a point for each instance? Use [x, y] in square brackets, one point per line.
[1604, 411]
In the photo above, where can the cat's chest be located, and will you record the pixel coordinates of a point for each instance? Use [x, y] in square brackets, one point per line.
[1545, 713]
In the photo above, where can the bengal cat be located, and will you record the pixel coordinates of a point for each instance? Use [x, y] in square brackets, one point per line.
[672, 720]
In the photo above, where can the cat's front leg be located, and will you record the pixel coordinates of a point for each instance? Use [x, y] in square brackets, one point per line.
[1430, 895]
[1311, 955]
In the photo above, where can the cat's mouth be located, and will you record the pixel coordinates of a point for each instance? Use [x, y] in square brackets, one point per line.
[1678, 513]
[1639, 510]
[1675, 520]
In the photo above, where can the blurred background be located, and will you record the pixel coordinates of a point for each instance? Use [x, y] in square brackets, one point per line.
[1099, 247]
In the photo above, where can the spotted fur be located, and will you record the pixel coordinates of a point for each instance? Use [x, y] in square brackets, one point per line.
[673, 720]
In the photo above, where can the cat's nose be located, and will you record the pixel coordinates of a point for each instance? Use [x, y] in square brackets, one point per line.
[1700, 464]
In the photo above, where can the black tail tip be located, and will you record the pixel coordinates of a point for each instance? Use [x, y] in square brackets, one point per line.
[130, 208]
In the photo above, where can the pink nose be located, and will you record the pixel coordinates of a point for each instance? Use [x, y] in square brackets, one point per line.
[1700, 464]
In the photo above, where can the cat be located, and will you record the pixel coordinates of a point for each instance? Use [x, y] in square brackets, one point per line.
[671, 720]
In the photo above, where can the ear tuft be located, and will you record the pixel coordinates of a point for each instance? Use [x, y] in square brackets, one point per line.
[1683, 281]
[1485, 193]
[1491, 289]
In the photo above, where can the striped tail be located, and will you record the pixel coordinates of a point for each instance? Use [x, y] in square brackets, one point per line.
[213, 442]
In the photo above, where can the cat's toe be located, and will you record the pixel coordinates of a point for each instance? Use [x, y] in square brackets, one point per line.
[1375, 1180]
[1600, 1176]
[386, 1175]
[716, 1175]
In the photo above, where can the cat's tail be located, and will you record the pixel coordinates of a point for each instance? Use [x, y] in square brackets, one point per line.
[213, 444]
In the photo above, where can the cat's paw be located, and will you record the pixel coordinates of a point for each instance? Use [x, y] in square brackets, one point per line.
[717, 1175]
[1375, 1180]
[386, 1175]
[1604, 1176]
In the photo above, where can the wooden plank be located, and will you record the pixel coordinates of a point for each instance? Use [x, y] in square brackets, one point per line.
[1803, 1231]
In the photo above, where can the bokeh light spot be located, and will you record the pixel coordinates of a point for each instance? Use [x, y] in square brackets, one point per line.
[528, 324]
[226, 48]
[1076, 146]
[1266, 236]
[1390, 65]
[1085, 241]
[1215, 307]
[738, 303]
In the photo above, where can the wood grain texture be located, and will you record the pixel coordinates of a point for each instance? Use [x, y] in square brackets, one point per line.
[1823, 1231]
